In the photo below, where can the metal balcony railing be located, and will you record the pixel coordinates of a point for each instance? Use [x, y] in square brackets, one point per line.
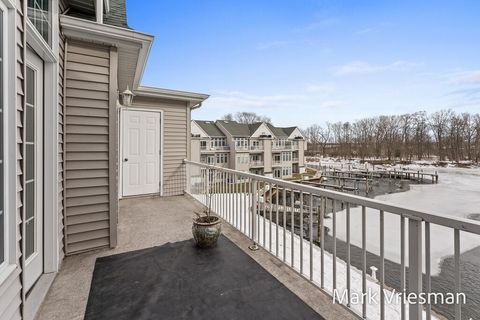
[255, 148]
[216, 148]
[287, 146]
[280, 217]
[256, 163]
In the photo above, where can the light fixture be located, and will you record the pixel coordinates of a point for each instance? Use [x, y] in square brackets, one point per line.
[127, 97]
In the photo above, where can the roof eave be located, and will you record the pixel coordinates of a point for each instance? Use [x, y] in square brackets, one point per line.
[194, 99]
[84, 30]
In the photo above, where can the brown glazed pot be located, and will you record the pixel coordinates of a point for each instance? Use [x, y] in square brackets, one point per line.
[206, 231]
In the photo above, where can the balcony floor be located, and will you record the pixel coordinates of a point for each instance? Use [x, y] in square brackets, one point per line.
[150, 222]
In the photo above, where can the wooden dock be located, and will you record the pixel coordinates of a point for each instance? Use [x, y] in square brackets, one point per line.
[418, 176]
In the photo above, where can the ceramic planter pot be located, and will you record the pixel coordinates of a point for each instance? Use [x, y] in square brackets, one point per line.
[206, 231]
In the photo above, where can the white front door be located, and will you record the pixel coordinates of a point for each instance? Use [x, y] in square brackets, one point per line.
[33, 189]
[141, 152]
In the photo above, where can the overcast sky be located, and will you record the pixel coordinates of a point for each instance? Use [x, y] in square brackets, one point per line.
[310, 61]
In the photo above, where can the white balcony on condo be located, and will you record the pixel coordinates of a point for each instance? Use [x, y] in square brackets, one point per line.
[282, 145]
[256, 148]
[214, 144]
[214, 148]
[256, 163]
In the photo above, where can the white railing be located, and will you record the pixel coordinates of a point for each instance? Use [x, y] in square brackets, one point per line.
[256, 163]
[256, 148]
[279, 216]
[286, 146]
[215, 148]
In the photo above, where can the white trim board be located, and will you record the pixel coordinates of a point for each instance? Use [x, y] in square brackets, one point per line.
[38, 44]
[50, 183]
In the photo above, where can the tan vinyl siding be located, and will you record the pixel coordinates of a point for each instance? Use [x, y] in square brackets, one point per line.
[87, 146]
[176, 123]
[61, 124]
[11, 289]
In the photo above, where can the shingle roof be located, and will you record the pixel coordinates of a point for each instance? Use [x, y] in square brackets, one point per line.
[235, 129]
[246, 130]
[117, 16]
[278, 132]
[210, 128]
[289, 130]
[253, 127]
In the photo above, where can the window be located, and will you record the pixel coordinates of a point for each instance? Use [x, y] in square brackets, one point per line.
[255, 143]
[222, 158]
[241, 143]
[242, 159]
[203, 145]
[256, 158]
[279, 143]
[2, 135]
[40, 15]
[277, 158]
[286, 171]
[277, 173]
[218, 143]
[286, 156]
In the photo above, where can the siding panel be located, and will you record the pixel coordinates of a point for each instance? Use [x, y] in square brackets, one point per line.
[61, 122]
[11, 288]
[87, 130]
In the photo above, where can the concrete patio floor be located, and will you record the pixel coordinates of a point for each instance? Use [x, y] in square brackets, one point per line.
[149, 222]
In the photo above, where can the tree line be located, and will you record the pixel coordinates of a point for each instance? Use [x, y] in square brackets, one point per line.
[413, 136]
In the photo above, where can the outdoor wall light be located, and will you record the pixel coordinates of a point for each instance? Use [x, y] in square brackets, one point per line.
[127, 97]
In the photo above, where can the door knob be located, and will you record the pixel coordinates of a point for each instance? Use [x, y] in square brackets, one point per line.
[125, 160]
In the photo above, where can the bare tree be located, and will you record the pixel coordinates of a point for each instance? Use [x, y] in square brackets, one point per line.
[247, 117]
[439, 124]
[228, 117]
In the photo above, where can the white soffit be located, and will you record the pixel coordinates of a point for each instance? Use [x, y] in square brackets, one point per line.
[133, 46]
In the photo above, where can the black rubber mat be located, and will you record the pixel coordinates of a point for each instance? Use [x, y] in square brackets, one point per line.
[180, 281]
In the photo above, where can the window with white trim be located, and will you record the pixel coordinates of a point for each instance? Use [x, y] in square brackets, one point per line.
[40, 15]
[286, 156]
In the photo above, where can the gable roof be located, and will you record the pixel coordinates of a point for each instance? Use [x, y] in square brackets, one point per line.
[289, 130]
[246, 130]
[253, 127]
[278, 132]
[235, 129]
[210, 128]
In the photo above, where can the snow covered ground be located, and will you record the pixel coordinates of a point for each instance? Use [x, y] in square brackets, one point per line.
[457, 194]
[234, 209]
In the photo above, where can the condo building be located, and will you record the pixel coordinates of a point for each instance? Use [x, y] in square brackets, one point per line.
[259, 148]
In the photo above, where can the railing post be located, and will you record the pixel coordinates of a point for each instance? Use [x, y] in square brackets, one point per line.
[188, 178]
[253, 217]
[415, 266]
[208, 202]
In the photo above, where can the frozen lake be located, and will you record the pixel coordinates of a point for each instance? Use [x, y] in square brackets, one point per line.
[457, 194]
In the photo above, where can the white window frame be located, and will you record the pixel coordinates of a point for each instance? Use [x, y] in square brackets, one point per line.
[9, 141]
[50, 16]
[49, 53]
